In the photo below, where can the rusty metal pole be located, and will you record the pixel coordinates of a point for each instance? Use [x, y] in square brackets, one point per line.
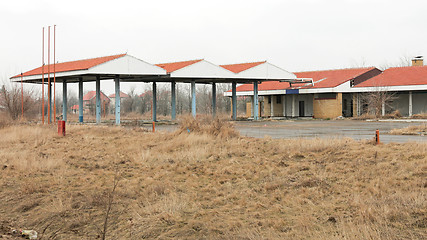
[43, 76]
[54, 77]
[22, 98]
[49, 87]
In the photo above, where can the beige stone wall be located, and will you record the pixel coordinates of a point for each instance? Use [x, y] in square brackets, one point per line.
[354, 104]
[328, 108]
[248, 109]
[249, 112]
[266, 106]
[277, 108]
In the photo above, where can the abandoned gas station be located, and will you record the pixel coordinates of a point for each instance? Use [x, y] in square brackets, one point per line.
[343, 93]
[126, 68]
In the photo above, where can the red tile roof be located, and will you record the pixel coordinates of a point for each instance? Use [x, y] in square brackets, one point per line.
[91, 94]
[240, 67]
[322, 79]
[71, 66]
[148, 93]
[122, 95]
[173, 66]
[398, 76]
[75, 107]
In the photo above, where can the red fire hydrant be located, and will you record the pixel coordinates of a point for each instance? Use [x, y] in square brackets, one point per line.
[61, 127]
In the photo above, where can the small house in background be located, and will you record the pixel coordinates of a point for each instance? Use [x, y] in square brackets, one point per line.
[75, 109]
[113, 98]
[89, 102]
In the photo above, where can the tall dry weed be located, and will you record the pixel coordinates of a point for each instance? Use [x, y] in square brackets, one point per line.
[205, 124]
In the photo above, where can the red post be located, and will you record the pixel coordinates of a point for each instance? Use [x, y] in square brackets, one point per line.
[377, 137]
[154, 126]
[61, 127]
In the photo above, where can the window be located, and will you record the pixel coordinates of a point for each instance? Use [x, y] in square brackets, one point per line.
[269, 99]
[279, 99]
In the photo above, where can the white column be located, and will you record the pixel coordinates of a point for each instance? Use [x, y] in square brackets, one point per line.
[410, 104]
[272, 106]
[383, 109]
[284, 105]
[293, 105]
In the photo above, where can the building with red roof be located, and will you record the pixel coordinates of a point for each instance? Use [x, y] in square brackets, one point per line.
[89, 102]
[341, 92]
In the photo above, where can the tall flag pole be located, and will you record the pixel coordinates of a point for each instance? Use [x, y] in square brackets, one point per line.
[49, 89]
[43, 76]
[22, 98]
[54, 77]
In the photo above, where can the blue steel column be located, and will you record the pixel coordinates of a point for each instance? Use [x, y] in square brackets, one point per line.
[234, 100]
[173, 100]
[255, 104]
[81, 100]
[98, 100]
[154, 107]
[213, 99]
[117, 99]
[64, 100]
[193, 98]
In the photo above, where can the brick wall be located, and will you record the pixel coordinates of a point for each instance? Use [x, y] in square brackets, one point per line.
[328, 108]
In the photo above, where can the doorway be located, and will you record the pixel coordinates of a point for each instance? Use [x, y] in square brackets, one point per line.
[301, 108]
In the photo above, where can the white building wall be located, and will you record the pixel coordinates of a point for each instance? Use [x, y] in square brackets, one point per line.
[419, 102]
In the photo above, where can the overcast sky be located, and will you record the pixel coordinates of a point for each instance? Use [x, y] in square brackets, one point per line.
[295, 35]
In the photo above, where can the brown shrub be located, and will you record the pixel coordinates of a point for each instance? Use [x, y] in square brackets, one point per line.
[205, 124]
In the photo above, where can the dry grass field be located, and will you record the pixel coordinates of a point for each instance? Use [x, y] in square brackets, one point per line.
[207, 182]
[411, 130]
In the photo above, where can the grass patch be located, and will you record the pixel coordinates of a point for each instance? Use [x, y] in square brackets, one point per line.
[209, 183]
[411, 130]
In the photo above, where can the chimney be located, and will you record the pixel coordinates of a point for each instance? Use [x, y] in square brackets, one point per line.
[418, 61]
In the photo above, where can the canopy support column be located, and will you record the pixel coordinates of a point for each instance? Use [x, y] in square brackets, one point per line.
[117, 99]
[193, 98]
[154, 107]
[234, 101]
[98, 100]
[173, 100]
[255, 105]
[213, 99]
[284, 105]
[410, 104]
[271, 106]
[64, 100]
[81, 100]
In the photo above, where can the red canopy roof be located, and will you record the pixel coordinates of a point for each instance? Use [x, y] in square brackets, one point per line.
[240, 67]
[71, 66]
[399, 76]
[173, 66]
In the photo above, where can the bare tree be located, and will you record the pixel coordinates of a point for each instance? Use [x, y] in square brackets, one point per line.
[12, 99]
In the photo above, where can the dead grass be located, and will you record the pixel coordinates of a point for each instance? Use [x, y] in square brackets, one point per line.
[411, 130]
[209, 184]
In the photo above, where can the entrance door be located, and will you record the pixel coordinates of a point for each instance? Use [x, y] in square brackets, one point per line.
[301, 108]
